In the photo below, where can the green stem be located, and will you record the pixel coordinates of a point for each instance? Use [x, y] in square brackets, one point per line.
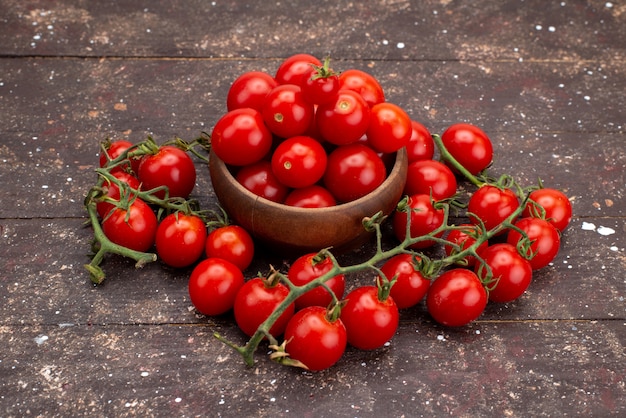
[446, 156]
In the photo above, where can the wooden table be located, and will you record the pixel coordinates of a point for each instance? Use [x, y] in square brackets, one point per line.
[545, 80]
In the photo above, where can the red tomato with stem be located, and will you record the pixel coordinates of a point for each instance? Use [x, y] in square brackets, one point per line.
[213, 286]
[249, 90]
[550, 204]
[114, 150]
[353, 171]
[180, 239]
[256, 301]
[491, 205]
[241, 138]
[231, 243]
[421, 145]
[430, 177]
[309, 267]
[314, 339]
[170, 167]
[456, 298]
[134, 228]
[389, 128]
[469, 145]
[544, 241]
[310, 197]
[261, 180]
[113, 191]
[291, 70]
[299, 161]
[364, 84]
[343, 120]
[424, 217]
[464, 237]
[411, 286]
[321, 84]
[285, 111]
[511, 273]
[370, 322]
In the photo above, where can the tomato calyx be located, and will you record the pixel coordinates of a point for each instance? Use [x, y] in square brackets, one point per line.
[323, 71]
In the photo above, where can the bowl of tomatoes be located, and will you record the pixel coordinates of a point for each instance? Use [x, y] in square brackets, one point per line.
[292, 230]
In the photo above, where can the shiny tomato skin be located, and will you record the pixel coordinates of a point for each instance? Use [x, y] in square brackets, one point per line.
[256, 301]
[291, 69]
[170, 167]
[249, 90]
[430, 177]
[261, 180]
[310, 197]
[307, 268]
[364, 84]
[469, 145]
[456, 298]
[353, 171]
[491, 205]
[464, 237]
[319, 89]
[557, 207]
[545, 238]
[314, 340]
[410, 286]
[369, 321]
[421, 145]
[180, 239]
[299, 161]
[113, 191]
[389, 128]
[138, 232]
[231, 243]
[425, 218]
[511, 272]
[114, 150]
[213, 286]
[240, 137]
[285, 111]
[343, 120]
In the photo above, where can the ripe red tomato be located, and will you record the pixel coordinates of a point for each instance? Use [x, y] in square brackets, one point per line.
[421, 145]
[231, 243]
[556, 205]
[137, 232]
[389, 128]
[170, 167]
[180, 239]
[456, 298]
[464, 237]
[240, 137]
[291, 70]
[213, 286]
[344, 119]
[310, 197]
[299, 161]
[285, 111]
[261, 180]
[320, 86]
[363, 83]
[353, 171]
[114, 150]
[410, 286]
[315, 340]
[113, 191]
[511, 272]
[469, 145]
[256, 301]
[544, 238]
[491, 205]
[430, 177]
[307, 268]
[249, 90]
[370, 322]
[425, 218]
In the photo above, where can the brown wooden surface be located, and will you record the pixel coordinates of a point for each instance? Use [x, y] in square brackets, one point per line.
[546, 80]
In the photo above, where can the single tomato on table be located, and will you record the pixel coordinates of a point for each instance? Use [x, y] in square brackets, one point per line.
[213, 286]
[133, 228]
[542, 244]
[430, 177]
[180, 239]
[469, 146]
[456, 298]
[550, 204]
[511, 273]
[231, 243]
[309, 267]
[491, 205]
[170, 167]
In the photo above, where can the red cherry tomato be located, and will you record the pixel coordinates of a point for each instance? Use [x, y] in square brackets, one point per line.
[557, 208]
[410, 286]
[294, 67]
[511, 272]
[213, 286]
[310, 197]
[370, 322]
[544, 238]
[469, 145]
[299, 161]
[307, 268]
[491, 205]
[343, 120]
[421, 145]
[320, 85]
[315, 340]
[430, 177]
[363, 83]
[137, 232]
[180, 239]
[353, 171]
[170, 167]
[114, 150]
[240, 137]
[113, 191]
[249, 90]
[256, 301]
[456, 298]
[389, 128]
[285, 111]
[425, 218]
[261, 180]
[231, 243]
[464, 237]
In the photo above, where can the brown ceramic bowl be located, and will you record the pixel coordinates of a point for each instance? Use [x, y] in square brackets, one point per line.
[288, 230]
